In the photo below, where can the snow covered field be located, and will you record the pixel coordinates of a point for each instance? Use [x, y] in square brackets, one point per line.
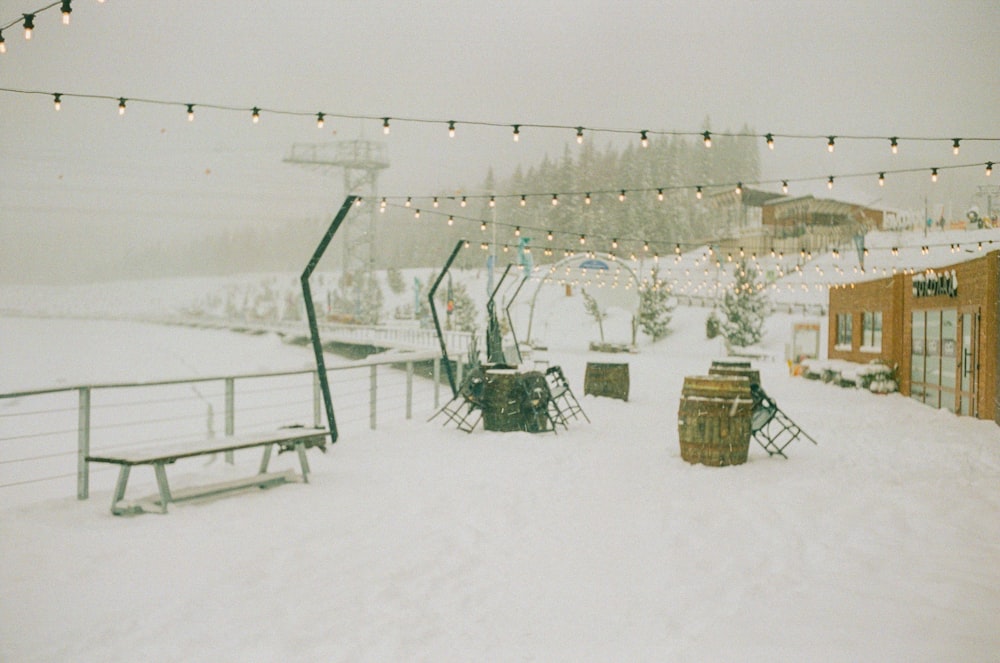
[420, 542]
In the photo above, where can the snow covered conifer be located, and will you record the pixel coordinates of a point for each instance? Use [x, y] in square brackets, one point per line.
[745, 307]
[655, 308]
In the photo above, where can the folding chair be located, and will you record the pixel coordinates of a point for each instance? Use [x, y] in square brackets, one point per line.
[773, 429]
[465, 410]
[562, 401]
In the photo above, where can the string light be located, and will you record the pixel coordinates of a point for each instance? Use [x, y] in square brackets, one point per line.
[517, 231]
[66, 11]
[524, 200]
[451, 220]
[614, 243]
[451, 128]
[435, 202]
[409, 201]
[555, 198]
[385, 126]
[881, 179]
[463, 202]
[255, 114]
[190, 109]
[482, 226]
[579, 135]
[955, 146]
[829, 183]
[739, 188]
[830, 143]
[989, 168]
[643, 139]
[517, 132]
[57, 101]
[707, 138]
[121, 105]
[697, 193]
[320, 120]
[3, 43]
[659, 195]
[549, 235]
[493, 201]
[784, 186]
[29, 25]
[934, 176]
[621, 196]
[894, 145]
[586, 199]
[770, 141]
[416, 213]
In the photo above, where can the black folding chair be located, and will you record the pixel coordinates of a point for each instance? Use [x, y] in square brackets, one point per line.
[563, 404]
[465, 410]
[773, 429]
[536, 404]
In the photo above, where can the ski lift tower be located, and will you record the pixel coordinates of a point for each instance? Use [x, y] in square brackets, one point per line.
[361, 161]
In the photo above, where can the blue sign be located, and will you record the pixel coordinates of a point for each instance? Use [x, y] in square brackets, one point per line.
[594, 264]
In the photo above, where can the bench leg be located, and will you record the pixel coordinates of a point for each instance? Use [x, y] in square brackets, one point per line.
[266, 460]
[161, 481]
[301, 449]
[123, 472]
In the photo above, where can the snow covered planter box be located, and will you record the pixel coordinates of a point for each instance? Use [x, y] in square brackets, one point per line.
[878, 377]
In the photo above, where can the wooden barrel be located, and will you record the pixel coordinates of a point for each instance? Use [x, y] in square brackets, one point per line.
[601, 379]
[502, 400]
[713, 422]
[720, 367]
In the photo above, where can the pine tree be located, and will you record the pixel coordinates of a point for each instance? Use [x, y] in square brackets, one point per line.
[745, 307]
[655, 308]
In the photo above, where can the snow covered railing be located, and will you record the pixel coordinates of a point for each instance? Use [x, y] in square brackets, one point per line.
[116, 416]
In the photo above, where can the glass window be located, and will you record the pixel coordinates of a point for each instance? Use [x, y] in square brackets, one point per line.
[871, 330]
[844, 330]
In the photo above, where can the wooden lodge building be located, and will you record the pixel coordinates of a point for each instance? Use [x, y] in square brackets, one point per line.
[940, 328]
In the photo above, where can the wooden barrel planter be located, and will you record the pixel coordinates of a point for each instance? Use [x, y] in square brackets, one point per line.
[611, 380]
[502, 400]
[737, 368]
[713, 422]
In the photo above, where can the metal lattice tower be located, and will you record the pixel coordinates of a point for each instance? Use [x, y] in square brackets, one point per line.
[361, 161]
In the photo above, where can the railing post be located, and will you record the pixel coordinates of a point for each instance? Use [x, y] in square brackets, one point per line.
[83, 446]
[437, 381]
[373, 395]
[230, 413]
[409, 390]
[317, 401]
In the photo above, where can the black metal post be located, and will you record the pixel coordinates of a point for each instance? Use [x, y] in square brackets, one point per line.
[317, 344]
[510, 323]
[437, 325]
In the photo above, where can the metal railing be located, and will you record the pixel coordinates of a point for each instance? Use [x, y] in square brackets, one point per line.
[41, 429]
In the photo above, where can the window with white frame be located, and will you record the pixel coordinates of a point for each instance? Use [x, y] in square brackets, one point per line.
[845, 331]
[871, 331]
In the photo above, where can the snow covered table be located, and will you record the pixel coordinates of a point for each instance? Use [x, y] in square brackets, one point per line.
[286, 439]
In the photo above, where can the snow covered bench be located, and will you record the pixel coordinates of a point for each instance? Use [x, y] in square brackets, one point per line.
[287, 439]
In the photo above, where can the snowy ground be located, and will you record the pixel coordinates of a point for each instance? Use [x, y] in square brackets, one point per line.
[419, 542]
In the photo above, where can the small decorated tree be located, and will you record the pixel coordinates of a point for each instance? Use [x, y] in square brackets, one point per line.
[655, 308]
[745, 307]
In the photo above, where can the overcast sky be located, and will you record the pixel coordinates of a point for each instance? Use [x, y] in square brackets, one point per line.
[924, 69]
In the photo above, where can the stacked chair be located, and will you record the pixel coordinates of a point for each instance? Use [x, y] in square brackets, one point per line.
[563, 404]
[773, 429]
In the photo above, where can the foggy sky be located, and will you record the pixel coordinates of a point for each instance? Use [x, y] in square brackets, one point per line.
[84, 173]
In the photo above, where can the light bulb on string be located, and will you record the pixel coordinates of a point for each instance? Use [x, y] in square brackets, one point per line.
[829, 182]
[784, 186]
[579, 135]
[29, 25]
[121, 105]
[416, 213]
[894, 145]
[409, 201]
[320, 120]
[451, 128]
[3, 43]
[707, 138]
[989, 168]
[451, 220]
[770, 141]
[255, 115]
[381, 207]
[697, 193]
[621, 196]
[549, 235]
[614, 242]
[881, 179]
[385, 126]
[57, 101]
[555, 198]
[659, 195]
[517, 231]
[583, 239]
[643, 139]
[739, 188]
[493, 201]
[586, 199]
[190, 112]
[955, 146]
[463, 202]
[830, 143]
[435, 203]
[524, 200]
[517, 132]
[934, 175]
[482, 226]
[66, 11]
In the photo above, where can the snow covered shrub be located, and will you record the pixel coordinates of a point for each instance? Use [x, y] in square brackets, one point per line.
[655, 308]
[713, 326]
[745, 306]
